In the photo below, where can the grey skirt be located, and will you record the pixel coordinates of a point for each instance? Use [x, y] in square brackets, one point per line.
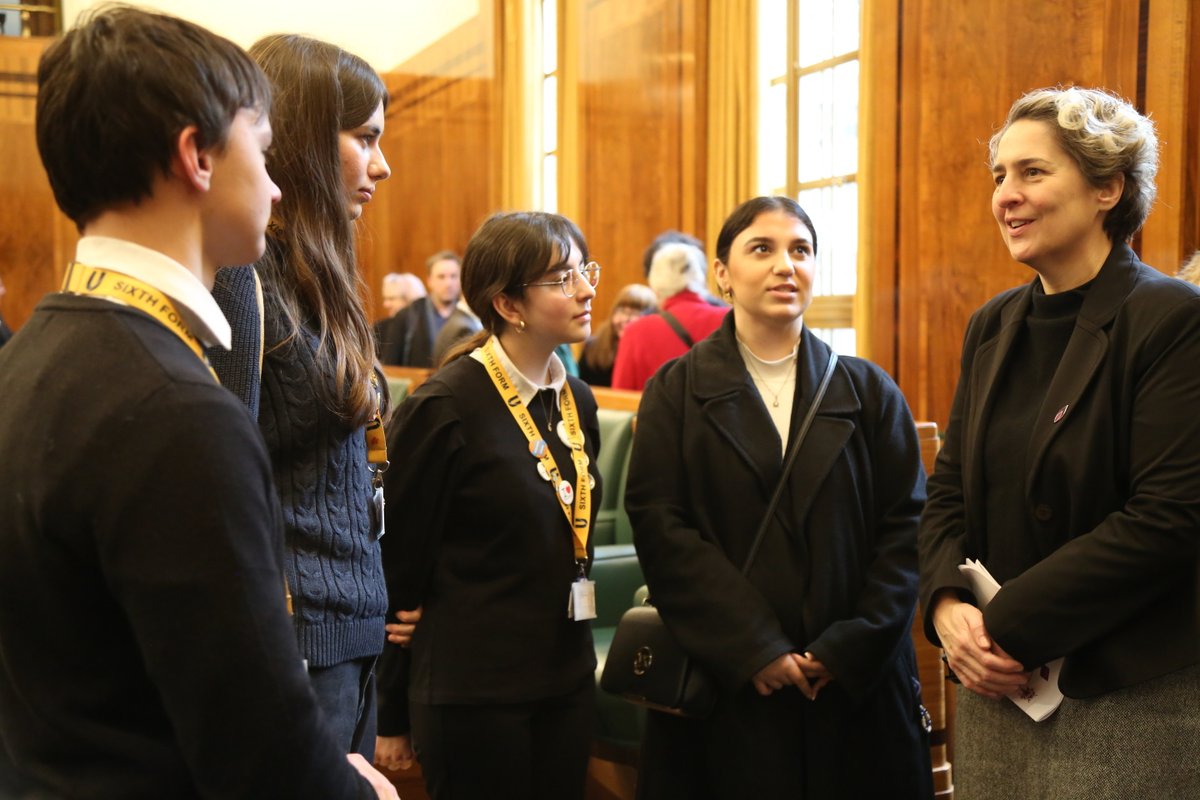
[1143, 741]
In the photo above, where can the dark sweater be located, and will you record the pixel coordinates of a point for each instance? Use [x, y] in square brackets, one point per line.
[478, 538]
[235, 292]
[145, 650]
[320, 469]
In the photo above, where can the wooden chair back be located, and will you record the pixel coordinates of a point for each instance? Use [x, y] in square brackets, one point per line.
[935, 692]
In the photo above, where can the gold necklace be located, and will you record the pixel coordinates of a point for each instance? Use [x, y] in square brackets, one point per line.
[776, 392]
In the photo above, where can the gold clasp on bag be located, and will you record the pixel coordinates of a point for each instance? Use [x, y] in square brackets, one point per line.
[642, 659]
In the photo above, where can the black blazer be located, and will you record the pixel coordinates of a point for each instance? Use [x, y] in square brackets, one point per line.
[1117, 475]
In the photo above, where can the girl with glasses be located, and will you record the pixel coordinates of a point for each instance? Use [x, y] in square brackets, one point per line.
[489, 508]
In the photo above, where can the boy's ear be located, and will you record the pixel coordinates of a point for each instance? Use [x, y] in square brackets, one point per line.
[190, 161]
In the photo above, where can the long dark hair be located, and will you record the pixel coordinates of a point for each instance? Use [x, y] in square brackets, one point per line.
[508, 250]
[309, 269]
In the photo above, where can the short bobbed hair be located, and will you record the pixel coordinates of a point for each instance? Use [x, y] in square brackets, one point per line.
[511, 249]
[1106, 137]
[115, 92]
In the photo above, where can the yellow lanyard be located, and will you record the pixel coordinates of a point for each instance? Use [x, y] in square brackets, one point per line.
[101, 282]
[581, 520]
[376, 439]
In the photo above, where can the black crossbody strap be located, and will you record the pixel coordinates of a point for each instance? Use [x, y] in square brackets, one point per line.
[791, 458]
[676, 326]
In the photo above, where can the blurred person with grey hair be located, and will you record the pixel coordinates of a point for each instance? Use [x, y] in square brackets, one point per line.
[398, 291]
[411, 333]
[679, 277]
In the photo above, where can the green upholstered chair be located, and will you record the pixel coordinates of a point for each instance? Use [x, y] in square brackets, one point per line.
[398, 389]
[616, 442]
[618, 576]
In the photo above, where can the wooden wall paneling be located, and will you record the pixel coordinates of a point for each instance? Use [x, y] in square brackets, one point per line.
[35, 238]
[875, 312]
[693, 102]
[640, 138]
[1170, 234]
[442, 143]
[1191, 165]
[962, 66]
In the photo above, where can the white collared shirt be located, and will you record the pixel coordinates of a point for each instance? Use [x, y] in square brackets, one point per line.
[193, 299]
[527, 389]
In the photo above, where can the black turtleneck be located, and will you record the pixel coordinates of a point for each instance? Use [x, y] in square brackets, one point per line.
[1013, 543]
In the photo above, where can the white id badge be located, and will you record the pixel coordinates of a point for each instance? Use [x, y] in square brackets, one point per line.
[377, 502]
[582, 605]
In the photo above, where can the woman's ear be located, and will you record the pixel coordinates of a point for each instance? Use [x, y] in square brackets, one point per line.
[510, 310]
[1109, 194]
[721, 273]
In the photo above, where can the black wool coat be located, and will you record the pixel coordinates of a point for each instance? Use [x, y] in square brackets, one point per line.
[1112, 486]
[836, 574]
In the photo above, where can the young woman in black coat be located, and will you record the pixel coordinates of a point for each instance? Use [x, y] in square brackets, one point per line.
[819, 690]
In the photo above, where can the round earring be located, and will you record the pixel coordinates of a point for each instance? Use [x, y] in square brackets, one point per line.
[727, 293]
[520, 326]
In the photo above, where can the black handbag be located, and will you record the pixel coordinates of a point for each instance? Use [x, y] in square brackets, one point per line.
[645, 663]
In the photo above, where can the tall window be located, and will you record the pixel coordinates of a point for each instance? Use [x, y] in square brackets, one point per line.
[808, 141]
[549, 111]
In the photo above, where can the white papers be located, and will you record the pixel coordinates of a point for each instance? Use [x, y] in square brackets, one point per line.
[1041, 697]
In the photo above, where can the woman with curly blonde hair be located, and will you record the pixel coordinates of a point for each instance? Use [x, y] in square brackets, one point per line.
[1070, 470]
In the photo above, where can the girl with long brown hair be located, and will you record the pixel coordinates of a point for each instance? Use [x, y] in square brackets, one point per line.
[314, 396]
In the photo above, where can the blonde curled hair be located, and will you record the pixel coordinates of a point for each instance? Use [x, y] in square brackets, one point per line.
[1106, 136]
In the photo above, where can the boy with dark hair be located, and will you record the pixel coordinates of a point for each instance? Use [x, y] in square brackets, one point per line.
[145, 648]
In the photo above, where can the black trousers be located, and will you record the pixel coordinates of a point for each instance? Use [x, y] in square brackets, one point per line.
[537, 750]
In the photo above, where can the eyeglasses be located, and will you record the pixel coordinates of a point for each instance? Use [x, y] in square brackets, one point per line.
[590, 272]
